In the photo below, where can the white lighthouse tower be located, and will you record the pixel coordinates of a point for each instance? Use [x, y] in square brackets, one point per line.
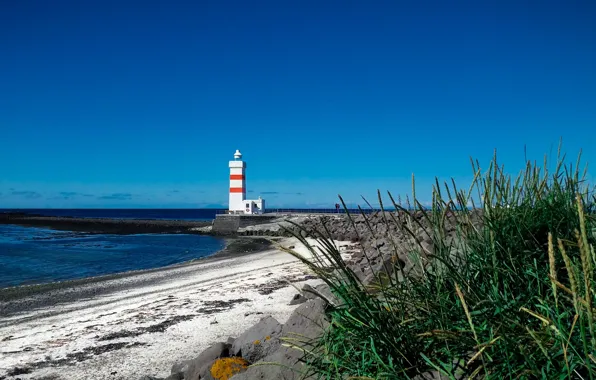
[238, 202]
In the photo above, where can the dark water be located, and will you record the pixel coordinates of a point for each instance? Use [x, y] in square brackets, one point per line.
[179, 214]
[34, 255]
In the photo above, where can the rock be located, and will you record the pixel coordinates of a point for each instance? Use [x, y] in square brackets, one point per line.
[308, 292]
[276, 367]
[179, 367]
[175, 376]
[194, 368]
[146, 377]
[225, 368]
[298, 299]
[258, 341]
[427, 246]
[307, 321]
[378, 243]
[311, 293]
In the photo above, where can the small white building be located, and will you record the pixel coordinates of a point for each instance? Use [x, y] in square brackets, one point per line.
[238, 202]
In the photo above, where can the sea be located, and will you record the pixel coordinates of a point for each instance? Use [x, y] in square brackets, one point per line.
[37, 255]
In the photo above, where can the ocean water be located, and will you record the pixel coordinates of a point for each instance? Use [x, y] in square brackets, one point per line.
[36, 255]
[178, 214]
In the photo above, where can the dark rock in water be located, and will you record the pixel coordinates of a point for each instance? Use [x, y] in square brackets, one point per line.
[298, 299]
[198, 367]
[258, 341]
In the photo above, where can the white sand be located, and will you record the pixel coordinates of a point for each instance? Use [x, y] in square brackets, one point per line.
[37, 339]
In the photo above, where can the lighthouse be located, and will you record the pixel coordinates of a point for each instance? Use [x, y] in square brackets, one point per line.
[238, 202]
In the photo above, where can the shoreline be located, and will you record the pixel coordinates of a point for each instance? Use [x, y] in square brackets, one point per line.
[143, 322]
[234, 247]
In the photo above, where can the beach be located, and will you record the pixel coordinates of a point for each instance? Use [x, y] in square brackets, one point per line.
[127, 326]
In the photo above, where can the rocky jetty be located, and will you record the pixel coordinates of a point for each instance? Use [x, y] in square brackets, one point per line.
[102, 225]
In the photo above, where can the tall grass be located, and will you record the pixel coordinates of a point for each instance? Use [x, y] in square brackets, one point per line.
[506, 292]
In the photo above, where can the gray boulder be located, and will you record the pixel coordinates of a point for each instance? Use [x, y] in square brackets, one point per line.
[258, 341]
[175, 376]
[306, 322]
[276, 367]
[198, 367]
[308, 292]
[298, 299]
[311, 293]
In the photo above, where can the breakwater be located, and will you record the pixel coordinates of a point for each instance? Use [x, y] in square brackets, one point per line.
[102, 225]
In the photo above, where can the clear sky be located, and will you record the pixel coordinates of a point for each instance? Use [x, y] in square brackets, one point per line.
[141, 104]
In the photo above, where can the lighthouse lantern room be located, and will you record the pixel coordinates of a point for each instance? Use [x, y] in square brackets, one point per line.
[238, 202]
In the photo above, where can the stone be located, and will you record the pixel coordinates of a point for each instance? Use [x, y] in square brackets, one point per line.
[223, 369]
[146, 377]
[179, 367]
[175, 376]
[281, 364]
[298, 299]
[326, 292]
[258, 341]
[307, 321]
[193, 368]
[378, 243]
[308, 292]
[427, 246]
[311, 293]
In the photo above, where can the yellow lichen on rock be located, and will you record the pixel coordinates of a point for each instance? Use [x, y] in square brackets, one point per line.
[225, 368]
[257, 342]
[267, 337]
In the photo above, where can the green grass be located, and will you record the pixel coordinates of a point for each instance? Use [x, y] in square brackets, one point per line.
[510, 296]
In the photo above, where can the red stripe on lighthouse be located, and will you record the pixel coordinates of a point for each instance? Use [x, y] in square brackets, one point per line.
[236, 176]
[236, 190]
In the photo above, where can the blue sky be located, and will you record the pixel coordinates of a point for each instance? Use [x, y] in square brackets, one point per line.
[116, 104]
